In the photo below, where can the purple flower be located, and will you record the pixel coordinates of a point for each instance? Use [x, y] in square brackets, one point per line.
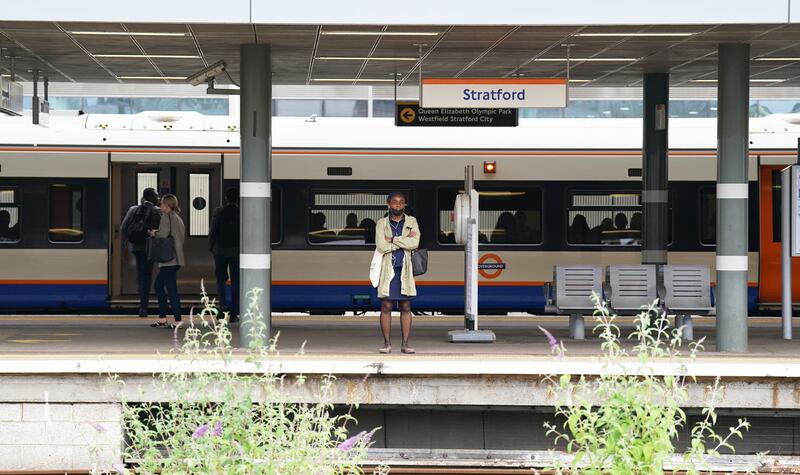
[551, 340]
[348, 444]
[200, 431]
[364, 436]
[368, 436]
[217, 432]
[119, 468]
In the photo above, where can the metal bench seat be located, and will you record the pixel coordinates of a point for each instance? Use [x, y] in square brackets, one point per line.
[571, 293]
[630, 288]
[687, 292]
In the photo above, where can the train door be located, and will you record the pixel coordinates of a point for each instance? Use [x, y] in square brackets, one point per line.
[197, 187]
[769, 289]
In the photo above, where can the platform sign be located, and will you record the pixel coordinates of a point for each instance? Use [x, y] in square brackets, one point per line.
[494, 92]
[795, 209]
[410, 114]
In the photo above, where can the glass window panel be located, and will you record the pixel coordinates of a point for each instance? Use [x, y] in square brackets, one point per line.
[511, 216]
[604, 218]
[134, 105]
[344, 108]
[708, 216]
[383, 108]
[199, 197]
[275, 216]
[296, 107]
[346, 217]
[9, 215]
[66, 213]
[777, 206]
[145, 180]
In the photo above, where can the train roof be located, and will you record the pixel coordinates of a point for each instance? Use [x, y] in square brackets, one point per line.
[191, 129]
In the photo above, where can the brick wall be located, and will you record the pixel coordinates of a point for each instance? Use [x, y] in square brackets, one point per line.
[59, 436]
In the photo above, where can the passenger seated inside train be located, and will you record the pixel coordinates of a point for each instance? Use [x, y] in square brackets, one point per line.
[505, 231]
[8, 233]
[579, 232]
[525, 234]
[368, 226]
[317, 232]
[351, 229]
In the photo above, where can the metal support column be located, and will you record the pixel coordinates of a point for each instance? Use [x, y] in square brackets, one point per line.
[255, 188]
[786, 252]
[733, 100]
[654, 223]
[35, 107]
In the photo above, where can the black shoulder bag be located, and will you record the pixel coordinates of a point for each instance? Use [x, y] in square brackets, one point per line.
[419, 261]
[161, 249]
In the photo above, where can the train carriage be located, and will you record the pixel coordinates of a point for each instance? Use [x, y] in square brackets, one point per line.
[563, 191]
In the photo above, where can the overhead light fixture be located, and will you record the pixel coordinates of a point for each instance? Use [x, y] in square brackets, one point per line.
[153, 56]
[598, 60]
[777, 59]
[172, 78]
[352, 80]
[641, 35]
[580, 80]
[379, 33]
[752, 80]
[126, 33]
[364, 58]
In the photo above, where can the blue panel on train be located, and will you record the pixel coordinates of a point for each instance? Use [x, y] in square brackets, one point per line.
[444, 297]
[53, 296]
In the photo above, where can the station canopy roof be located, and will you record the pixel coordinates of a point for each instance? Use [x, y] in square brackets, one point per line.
[372, 54]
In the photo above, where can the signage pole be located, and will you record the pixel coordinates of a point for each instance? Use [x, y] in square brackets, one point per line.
[471, 333]
[786, 250]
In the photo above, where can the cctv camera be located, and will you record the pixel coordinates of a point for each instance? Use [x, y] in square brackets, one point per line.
[206, 74]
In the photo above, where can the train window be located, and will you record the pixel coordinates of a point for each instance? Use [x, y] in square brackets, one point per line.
[275, 216]
[66, 213]
[146, 180]
[605, 218]
[776, 205]
[346, 217]
[708, 216]
[199, 197]
[9, 215]
[507, 216]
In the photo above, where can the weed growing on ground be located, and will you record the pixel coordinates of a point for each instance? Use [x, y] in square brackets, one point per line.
[628, 419]
[232, 415]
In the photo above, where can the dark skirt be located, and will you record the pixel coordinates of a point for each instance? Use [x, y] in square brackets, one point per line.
[396, 285]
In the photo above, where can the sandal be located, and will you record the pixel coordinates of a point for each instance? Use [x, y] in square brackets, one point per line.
[407, 350]
[386, 349]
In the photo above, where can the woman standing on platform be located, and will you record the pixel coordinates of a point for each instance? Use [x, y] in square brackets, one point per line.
[396, 235]
[167, 280]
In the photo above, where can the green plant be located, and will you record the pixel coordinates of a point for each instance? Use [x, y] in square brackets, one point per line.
[628, 418]
[221, 419]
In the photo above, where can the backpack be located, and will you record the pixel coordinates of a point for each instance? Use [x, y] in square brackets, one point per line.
[228, 227]
[137, 229]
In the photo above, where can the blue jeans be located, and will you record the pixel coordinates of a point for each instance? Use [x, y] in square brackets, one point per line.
[144, 277]
[221, 265]
[167, 283]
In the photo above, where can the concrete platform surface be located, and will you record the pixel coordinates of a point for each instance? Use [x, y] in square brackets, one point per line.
[330, 336]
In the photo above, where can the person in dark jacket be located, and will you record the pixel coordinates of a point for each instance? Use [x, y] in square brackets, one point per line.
[148, 211]
[223, 242]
